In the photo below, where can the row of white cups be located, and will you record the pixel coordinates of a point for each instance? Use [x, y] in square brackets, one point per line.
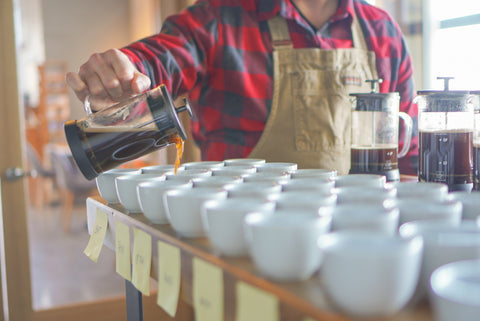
[376, 246]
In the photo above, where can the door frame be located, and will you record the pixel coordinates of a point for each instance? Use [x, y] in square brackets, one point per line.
[14, 251]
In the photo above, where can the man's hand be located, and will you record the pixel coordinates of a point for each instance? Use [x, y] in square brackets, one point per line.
[108, 78]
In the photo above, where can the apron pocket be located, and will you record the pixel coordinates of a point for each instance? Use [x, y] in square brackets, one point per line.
[321, 111]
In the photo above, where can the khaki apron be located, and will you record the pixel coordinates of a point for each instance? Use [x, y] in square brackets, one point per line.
[310, 119]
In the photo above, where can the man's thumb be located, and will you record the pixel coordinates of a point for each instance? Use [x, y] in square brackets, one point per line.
[140, 82]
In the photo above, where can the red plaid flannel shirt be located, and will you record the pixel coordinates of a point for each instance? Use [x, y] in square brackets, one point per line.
[219, 52]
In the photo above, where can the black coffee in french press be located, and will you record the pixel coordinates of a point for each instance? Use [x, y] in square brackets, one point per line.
[125, 131]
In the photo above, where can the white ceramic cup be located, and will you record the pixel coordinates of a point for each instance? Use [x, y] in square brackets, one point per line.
[184, 208]
[106, 183]
[223, 221]
[304, 200]
[150, 197]
[470, 201]
[427, 191]
[262, 190]
[365, 194]
[244, 162]
[283, 246]
[369, 275]
[412, 209]
[158, 169]
[277, 167]
[309, 184]
[360, 180]
[234, 171]
[443, 244]
[186, 175]
[269, 177]
[455, 291]
[126, 187]
[365, 217]
[222, 182]
[317, 173]
[210, 165]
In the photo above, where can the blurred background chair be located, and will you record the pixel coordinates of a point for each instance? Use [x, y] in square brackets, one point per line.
[71, 183]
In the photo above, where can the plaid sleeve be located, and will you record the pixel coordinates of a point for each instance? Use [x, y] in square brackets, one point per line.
[178, 55]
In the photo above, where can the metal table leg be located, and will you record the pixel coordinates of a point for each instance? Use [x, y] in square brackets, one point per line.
[134, 302]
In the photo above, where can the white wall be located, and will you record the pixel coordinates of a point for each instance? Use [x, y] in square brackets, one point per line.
[31, 48]
[74, 29]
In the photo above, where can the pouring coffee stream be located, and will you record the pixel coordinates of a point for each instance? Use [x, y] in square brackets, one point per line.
[125, 131]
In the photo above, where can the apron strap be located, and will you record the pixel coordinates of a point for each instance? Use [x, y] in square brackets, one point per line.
[279, 32]
[281, 36]
[358, 38]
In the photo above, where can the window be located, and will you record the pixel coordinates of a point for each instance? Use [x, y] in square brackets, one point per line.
[452, 43]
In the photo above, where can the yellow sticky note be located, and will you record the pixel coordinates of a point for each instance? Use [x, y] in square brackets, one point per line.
[141, 260]
[122, 251]
[254, 304]
[168, 277]
[95, 243]
[207, 291]
[309, 319]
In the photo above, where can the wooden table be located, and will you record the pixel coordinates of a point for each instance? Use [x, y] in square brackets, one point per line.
[297, 300]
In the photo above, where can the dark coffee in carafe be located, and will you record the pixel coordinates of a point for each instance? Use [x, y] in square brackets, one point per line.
[110, 148]
[374, 160]
[446, 157]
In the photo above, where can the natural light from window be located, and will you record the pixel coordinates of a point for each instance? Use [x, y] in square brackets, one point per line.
[455, 51]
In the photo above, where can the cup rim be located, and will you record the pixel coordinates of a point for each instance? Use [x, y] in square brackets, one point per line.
[350, 242]
[449, 273]
[276, 221]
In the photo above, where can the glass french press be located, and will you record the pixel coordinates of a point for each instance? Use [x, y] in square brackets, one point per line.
[375, 123]
[446, 128]
[125, 131]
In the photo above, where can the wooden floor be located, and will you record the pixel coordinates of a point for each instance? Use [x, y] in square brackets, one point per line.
[61, 273]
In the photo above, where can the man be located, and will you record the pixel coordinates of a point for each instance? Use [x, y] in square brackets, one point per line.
[266, 79]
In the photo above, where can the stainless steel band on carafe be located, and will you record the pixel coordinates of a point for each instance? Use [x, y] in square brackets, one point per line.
[125, 131]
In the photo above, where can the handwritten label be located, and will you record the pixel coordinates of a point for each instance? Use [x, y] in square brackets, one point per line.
[95, 243]
[207, 291]
[122, 251]
[141, 260]
[168, 277]
[254, 304]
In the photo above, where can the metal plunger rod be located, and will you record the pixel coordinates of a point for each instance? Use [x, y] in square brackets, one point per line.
[446, 82]
[373, 84]
[185, 107]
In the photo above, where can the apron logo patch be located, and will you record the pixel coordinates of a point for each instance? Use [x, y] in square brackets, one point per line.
[351, 81]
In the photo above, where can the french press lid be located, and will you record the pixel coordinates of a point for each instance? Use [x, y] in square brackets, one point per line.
[445, 100]
[375, 101]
